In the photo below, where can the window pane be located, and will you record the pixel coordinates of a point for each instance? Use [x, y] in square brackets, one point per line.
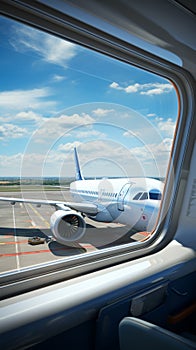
[138, 195]
[144, 196]
[56, 96]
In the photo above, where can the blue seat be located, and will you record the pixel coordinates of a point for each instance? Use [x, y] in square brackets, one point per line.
[136, 334]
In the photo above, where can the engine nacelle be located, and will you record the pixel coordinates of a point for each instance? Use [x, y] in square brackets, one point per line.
[67, 226]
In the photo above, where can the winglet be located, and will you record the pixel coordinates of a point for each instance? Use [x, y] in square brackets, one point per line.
[79, 175]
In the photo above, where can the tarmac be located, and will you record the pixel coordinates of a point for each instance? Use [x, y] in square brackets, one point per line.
[22, 222]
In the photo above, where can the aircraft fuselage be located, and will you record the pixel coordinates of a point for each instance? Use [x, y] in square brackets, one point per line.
[126, 201]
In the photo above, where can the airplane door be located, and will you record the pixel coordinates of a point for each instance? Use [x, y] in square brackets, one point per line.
[121, 196]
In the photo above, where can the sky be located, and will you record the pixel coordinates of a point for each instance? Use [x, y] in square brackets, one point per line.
[56, 95]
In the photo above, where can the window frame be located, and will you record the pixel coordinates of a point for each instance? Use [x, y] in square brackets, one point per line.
[56, 23]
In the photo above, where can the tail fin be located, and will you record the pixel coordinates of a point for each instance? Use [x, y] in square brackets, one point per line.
[79, 175]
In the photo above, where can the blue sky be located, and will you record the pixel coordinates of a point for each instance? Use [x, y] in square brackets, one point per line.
[55, 95]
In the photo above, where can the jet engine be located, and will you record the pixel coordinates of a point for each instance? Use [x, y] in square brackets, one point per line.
[67, 226]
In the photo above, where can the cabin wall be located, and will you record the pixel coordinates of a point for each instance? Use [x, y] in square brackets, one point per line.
[101, 331]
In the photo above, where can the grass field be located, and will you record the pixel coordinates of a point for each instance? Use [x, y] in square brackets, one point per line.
[12, 184]
[18, 188]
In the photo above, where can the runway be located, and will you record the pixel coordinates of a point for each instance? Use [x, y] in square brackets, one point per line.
[22, 221]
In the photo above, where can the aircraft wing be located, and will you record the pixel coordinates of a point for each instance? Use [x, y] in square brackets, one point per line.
[84, 207]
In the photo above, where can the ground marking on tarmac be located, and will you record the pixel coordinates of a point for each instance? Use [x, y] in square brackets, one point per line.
[40, 216]
[33, 223]
[18, 242]
[36, 252]
[15, 238]
[88, 246]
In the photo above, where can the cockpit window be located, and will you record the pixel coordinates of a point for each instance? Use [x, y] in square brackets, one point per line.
[137, 196]
[141, 196]
[155, 194]
[144, 196]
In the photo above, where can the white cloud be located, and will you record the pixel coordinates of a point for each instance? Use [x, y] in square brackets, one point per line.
[132, 88]
[9, 160]
[58, 78]
[115, 85]
[100, 112]
[158, 152]
[12, 131]
[97, 158]
[151, 115]
[144, 89]
[10, 165]
[106, 158]
[48, 163]
[84, 132]
[167, 127]
[54, 128]
[28, 116]
[52, 49]
[25, 99]
[68, 146]
[89, 133]
[130, 133]
[33, 164]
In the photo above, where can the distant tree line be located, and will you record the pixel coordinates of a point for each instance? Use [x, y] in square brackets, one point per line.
[53, 181]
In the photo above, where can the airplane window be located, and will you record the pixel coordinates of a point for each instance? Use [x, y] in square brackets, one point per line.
[77, 126]
[137, 196]
[144, 196]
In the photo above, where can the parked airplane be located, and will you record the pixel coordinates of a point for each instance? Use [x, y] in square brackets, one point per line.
[130, 201]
